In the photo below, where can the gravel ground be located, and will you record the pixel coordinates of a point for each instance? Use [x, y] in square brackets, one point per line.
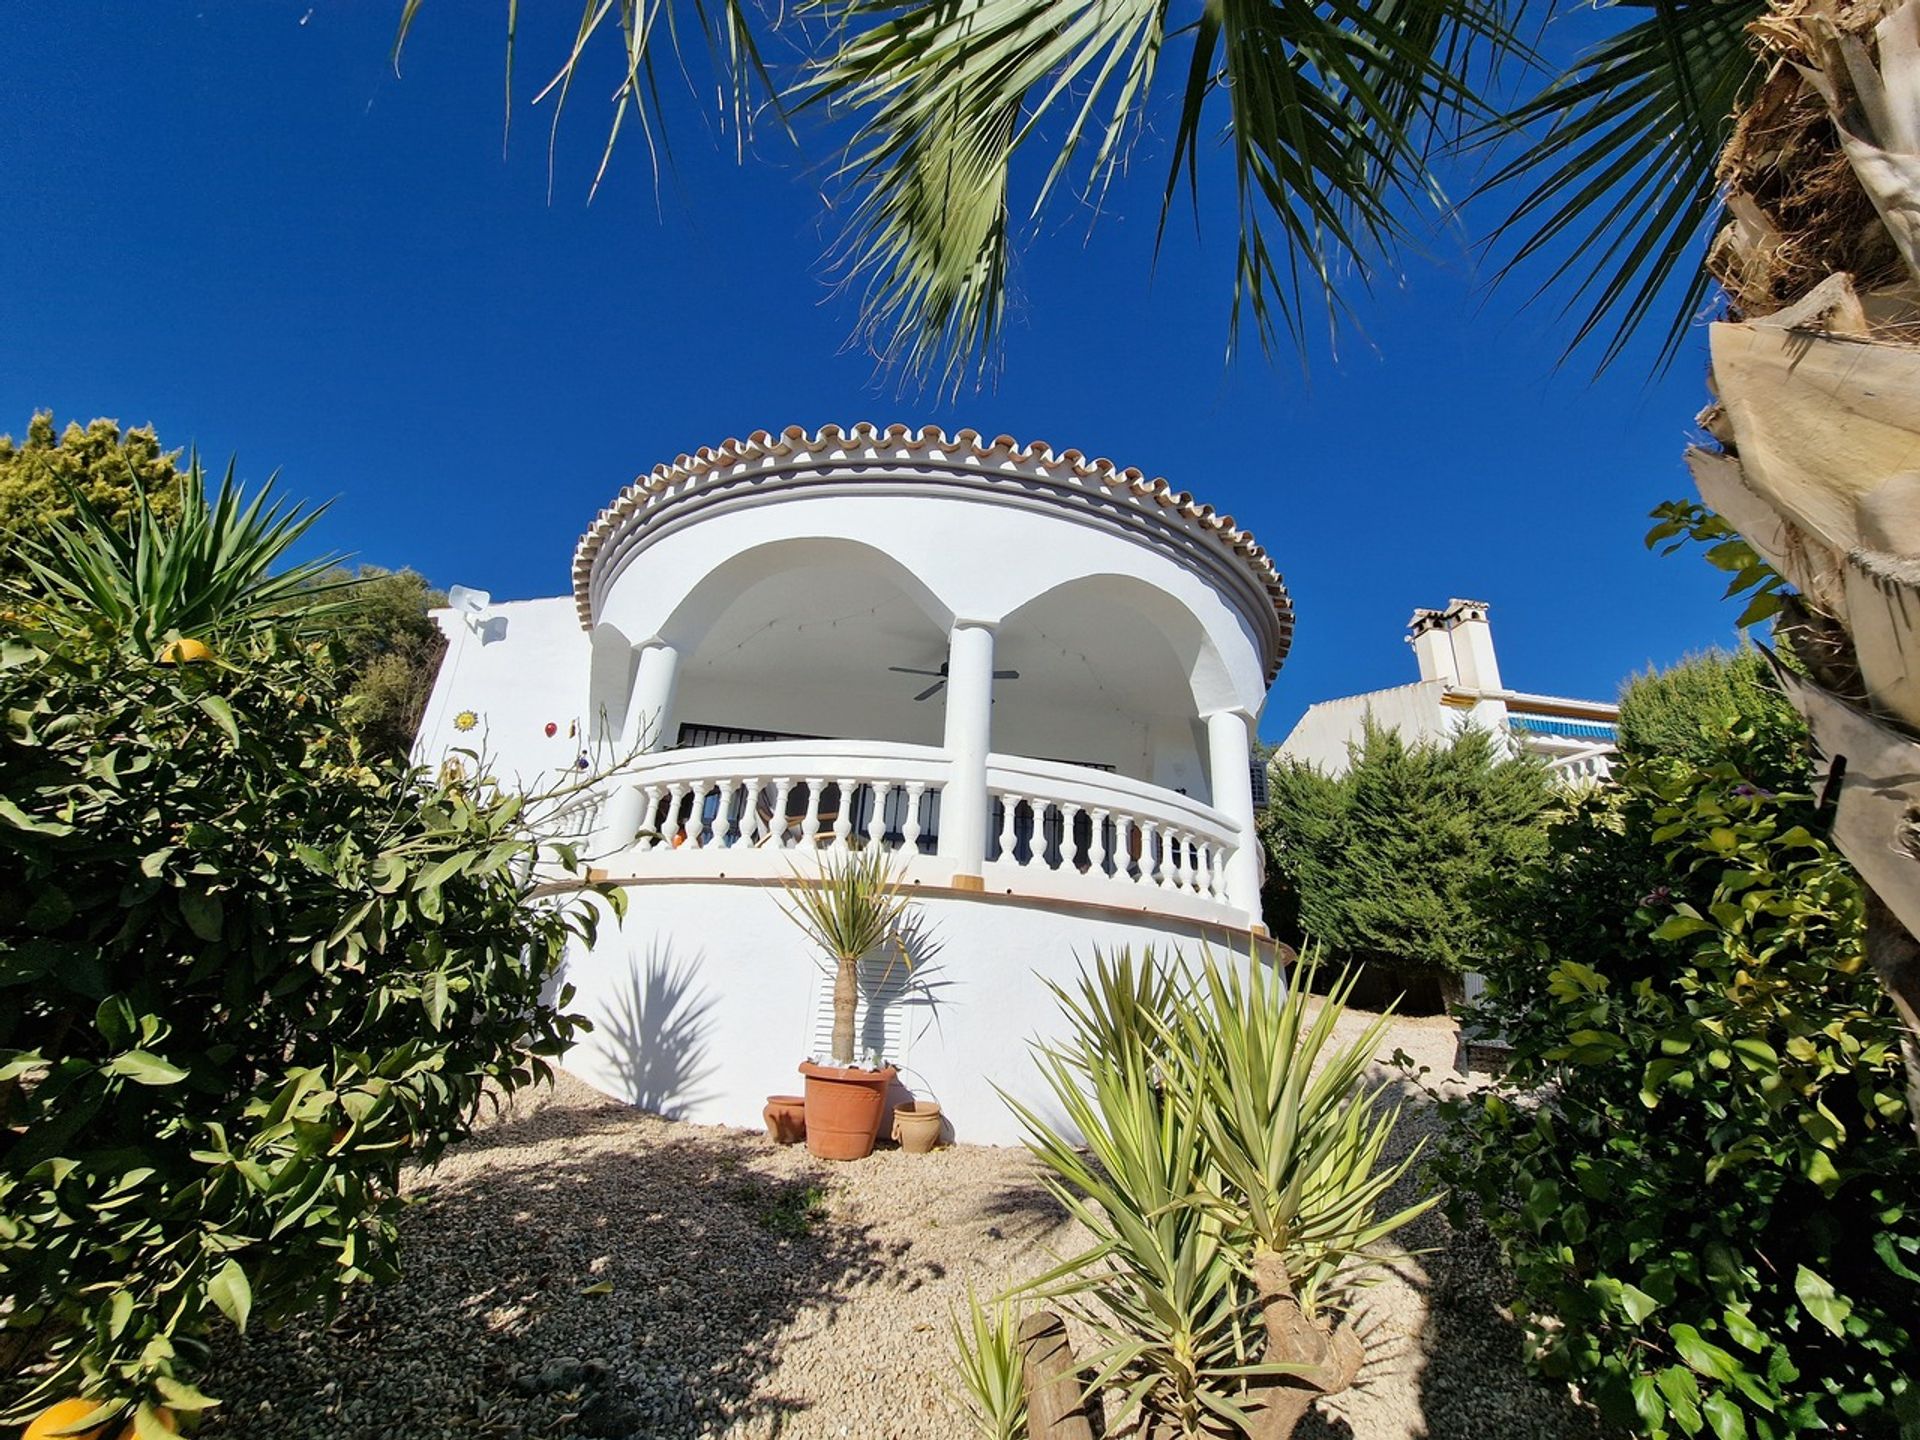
[583, 1269]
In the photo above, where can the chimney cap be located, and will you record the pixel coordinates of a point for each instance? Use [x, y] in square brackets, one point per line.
[1425, 620]
[1458, 609]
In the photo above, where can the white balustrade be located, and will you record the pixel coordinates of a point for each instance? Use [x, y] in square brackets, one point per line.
[1052, 830]
[713, 809]
[1102, 836]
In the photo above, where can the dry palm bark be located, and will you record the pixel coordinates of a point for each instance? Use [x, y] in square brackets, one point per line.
[1816, 371]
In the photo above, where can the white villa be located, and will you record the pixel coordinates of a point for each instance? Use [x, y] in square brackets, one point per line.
[1459, 685]
[1033, 676]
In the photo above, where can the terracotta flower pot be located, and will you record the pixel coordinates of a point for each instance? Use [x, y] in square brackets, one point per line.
[786, 1117]
[917, 1126]
[844, 1109]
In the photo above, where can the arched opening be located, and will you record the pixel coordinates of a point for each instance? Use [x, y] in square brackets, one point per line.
[794, 640]
[1114, 673]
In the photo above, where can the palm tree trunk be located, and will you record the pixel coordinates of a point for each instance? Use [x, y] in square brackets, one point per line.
[846, 994]
[1817, 374]
[1330, 1358]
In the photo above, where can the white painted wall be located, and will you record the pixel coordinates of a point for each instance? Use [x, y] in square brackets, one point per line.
[1321, 736]
[524, 665]
[974, 557]
[702, 1001]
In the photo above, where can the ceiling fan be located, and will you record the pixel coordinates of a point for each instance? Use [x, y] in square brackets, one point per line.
[940, 678]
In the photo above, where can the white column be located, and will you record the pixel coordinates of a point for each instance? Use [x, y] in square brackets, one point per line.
[963, 804]
[1229, 752]
[645, 728]
[649, 722]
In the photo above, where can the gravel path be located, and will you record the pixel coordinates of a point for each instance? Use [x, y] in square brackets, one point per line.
[583, 1269]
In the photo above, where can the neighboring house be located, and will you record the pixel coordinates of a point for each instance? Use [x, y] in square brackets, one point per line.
[1460, 684]
[1033, 677]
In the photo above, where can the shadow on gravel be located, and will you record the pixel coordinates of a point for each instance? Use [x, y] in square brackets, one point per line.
[524, 1271]
[1466, 1356]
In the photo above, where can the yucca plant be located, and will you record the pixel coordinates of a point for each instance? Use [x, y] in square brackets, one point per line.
[850, 909]
[986, 1350]
[1225, 1155]
[211, 569]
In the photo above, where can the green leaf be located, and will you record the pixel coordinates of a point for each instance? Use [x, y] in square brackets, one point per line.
[181, 1396]
[1701, 1354]
[1682, 1392]
[1726, 1417]
[205, 914]
[1821, 1301]
[221, 713]
[145, 1068]
[1637, 1303]
[1678, 927]
[229, 1290]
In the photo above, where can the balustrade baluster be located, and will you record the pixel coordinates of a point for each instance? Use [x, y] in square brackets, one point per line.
[777, 822]
[641, 840]
[843, 818]
[877, 814]
[1009, 807]
[1173, 877]
[723, 820]
[1220, 858]
[1070, 836]
[1205, 879]
[1097, 845]
[910, 830]
[670, 827]
[749, 812]
[810, 826]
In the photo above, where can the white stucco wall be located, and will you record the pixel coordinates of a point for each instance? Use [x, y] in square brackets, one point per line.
[1321, 736]
[975, 557]
[524, 665]
[701, 1001]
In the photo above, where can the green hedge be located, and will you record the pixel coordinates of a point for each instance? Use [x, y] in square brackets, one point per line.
[1699, 1163]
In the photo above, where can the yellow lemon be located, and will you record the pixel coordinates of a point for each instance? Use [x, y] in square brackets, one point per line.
[63, 1415]
[184, 652]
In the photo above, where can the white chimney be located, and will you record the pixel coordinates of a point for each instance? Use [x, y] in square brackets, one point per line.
[1432, 647]
[1472, 637]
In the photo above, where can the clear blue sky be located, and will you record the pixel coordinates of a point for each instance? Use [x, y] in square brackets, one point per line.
[232, 220]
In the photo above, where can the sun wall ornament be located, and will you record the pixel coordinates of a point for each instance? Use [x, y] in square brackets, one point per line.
[465, 720]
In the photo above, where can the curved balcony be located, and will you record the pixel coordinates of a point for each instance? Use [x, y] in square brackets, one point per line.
[1054, 831]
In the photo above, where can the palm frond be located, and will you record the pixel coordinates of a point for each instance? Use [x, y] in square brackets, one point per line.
[1619, 190]
[727, 32]
[1327, 108]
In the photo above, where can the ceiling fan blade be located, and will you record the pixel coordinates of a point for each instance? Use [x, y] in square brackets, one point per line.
[909, 670]
[1006, 674]
[931, 690]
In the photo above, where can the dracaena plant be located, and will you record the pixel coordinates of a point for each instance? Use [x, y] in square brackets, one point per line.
[215, 567]
[852, 907]
[1225, 1153]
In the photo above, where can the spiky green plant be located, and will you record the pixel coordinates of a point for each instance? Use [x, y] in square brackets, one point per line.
[212, 569]
[986, 1350]
[1297, 1134]
[1210, 1119]
[850, 909]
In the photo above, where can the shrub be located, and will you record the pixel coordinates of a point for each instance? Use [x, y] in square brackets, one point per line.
[245, 975]
[1391, 860]
[1689, 709]
[1697, 1162]
[1225, 1156]
[114, 471]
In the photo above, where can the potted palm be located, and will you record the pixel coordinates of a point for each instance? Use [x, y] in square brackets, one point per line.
[853, 908]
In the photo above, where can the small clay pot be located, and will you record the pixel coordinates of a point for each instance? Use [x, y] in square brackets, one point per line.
[917, 1126]
[786, 1117]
